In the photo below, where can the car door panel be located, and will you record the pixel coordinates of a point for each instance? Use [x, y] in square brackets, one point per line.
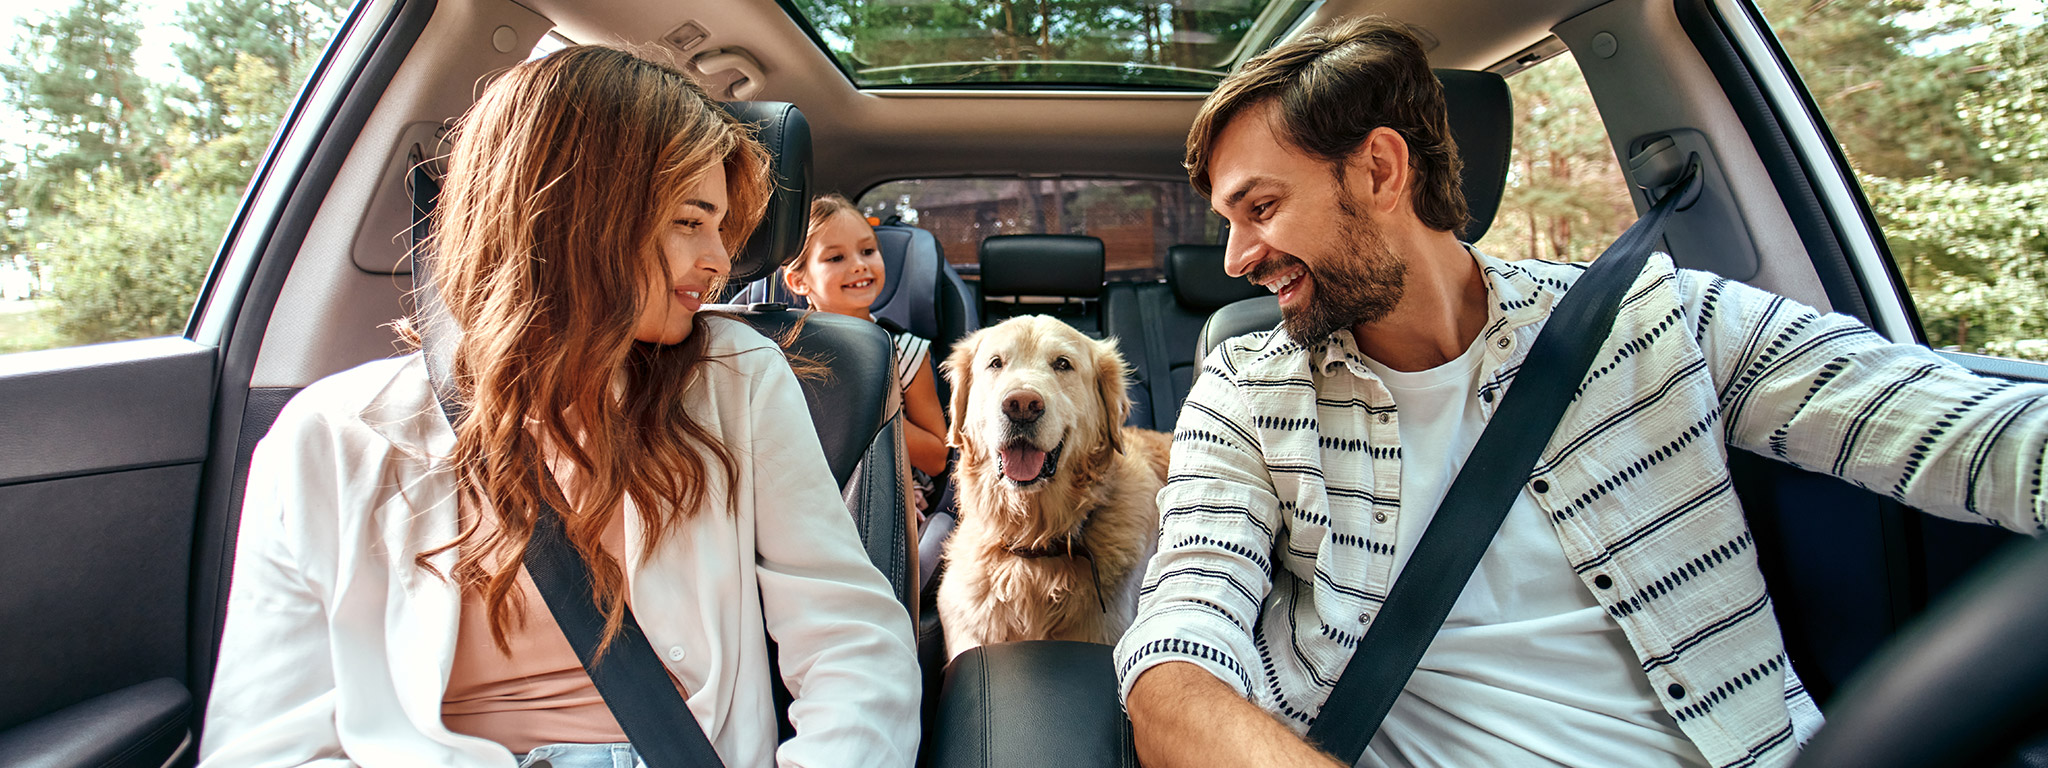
[99, 482]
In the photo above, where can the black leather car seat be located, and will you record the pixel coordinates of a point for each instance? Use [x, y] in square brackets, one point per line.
[1016, 269]
[854, 404]
[1158, 324]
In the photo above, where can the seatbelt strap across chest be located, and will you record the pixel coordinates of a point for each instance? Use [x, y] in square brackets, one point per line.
[1485, 488]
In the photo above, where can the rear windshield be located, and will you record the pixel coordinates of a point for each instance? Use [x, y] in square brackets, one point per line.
[1137, 219]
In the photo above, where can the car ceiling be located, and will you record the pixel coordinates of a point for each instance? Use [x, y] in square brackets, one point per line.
[865, 138]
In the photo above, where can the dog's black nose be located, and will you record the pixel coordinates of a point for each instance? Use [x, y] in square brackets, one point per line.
[1023, 407]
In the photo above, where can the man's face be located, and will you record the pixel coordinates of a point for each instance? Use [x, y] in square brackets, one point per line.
[1300, 232]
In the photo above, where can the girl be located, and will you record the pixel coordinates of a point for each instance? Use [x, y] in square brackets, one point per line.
[380, 613]
[840, 271]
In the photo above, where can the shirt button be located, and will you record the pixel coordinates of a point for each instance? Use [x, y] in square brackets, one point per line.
[1677, 691]
[1384, 418]
[1540, 487]
[1602, 581]
[1379, 517]
[675, 653]
[1487, 396]
[1503, 343]
[1365, 618]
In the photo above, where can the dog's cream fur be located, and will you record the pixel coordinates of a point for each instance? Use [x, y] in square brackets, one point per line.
[1104, 486]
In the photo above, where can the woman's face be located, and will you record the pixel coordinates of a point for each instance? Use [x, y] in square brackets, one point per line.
[842, 266]
[696, 257]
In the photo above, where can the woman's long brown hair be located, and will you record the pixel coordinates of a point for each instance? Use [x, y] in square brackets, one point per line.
[560, 180]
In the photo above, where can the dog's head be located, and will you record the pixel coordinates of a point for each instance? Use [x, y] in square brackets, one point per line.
[1032, 391]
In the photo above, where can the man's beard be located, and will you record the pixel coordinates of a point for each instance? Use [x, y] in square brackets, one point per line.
[1360, 282]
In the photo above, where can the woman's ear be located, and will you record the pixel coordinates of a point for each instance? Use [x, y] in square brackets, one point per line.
[1111, 375]
[959, 370]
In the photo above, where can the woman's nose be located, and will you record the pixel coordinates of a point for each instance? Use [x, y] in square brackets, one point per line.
[715, 258]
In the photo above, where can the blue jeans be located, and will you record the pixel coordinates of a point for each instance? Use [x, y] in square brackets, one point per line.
[582, 756]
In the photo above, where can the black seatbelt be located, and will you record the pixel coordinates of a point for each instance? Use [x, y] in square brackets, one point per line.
[634, 683]
[1486, 487]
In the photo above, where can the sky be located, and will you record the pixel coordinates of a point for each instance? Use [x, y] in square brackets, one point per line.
[153, 59]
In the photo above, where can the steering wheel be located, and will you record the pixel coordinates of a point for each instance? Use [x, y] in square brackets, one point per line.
[1969, 672]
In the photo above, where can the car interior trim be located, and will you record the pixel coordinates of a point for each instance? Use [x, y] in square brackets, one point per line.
[1865, 250]
[374, 57]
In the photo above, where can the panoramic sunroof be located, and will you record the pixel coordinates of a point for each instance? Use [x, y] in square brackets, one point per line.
[1180, 44]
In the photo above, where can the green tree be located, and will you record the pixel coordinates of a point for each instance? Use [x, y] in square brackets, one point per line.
[280, 35]
[75, 81]
[129, 263]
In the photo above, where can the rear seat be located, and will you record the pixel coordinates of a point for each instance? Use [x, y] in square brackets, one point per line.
[1157, 326]
[1066, 267]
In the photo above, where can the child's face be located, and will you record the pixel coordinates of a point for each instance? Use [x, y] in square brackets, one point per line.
[842, 267]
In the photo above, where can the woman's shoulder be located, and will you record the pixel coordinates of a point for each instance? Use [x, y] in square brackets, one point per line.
[354, 398]
[731, 336]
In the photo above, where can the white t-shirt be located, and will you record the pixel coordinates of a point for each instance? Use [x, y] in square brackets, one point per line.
[1528, 669]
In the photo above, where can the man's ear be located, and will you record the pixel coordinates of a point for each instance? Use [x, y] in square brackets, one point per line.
[1378, 169]
[959, 370]
[1111, 377]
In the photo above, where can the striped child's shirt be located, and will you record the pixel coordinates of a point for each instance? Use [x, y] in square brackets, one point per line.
[1277, 529]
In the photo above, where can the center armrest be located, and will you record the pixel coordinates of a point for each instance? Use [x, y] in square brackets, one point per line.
[1039, 703]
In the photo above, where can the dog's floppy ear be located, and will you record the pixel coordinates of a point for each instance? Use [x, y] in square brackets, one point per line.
[1111, 377]
[959, 370]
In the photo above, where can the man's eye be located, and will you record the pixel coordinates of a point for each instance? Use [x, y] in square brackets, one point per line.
[1062, 364]
[1261, 209]
[995, 363]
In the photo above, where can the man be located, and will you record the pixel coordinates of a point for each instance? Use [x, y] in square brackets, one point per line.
[1619, 616]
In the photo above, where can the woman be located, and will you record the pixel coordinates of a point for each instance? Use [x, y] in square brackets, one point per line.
[840, 271]
[380, 614]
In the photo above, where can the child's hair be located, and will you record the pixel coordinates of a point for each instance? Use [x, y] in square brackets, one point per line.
[823, 208]
[546, 234]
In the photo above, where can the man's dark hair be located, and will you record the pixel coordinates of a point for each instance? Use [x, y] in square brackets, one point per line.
[1333, 86]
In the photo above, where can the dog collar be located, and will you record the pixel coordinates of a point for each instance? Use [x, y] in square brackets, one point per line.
[1071, 545]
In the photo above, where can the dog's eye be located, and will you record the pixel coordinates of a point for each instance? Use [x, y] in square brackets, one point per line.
[1062, 364]
[995, 363]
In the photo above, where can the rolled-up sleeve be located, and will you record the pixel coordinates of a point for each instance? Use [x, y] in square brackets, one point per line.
[1218, 512]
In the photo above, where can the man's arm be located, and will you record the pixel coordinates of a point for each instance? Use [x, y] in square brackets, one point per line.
[1824, 393]
[1183, 716]
[1204, 590]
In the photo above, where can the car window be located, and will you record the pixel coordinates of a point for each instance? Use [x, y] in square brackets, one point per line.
[136, 128]
[1137, 219]
[1938, 108]
[1566, 198]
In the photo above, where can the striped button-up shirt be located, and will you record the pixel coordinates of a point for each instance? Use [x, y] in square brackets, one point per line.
[1274, 555]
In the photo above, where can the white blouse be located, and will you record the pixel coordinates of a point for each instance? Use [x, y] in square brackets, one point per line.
[337, 648]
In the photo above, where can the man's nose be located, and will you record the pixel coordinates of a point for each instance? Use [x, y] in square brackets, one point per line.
[1023, 406]
[1239, 252]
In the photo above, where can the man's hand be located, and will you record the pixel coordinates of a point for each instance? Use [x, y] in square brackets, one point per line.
[1183, 716]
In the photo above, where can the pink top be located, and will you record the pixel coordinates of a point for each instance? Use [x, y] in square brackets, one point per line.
[540, 694]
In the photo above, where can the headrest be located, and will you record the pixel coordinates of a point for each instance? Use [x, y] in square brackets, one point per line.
[1482, 116]
[780, 127]
[1196, 274]
[1042, 265]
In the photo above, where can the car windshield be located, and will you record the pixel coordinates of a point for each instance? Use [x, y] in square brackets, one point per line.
[1175, 45]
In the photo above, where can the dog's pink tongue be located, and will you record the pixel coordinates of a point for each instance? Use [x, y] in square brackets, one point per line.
[1021, 463]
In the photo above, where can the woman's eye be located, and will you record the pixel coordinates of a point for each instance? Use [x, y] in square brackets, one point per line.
[1062, 364]
[995, 363]
[688, 225]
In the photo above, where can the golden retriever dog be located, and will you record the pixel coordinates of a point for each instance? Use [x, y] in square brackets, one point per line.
[1057, 510]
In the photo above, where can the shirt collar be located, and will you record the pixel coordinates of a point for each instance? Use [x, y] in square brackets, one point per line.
[1515, 297]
